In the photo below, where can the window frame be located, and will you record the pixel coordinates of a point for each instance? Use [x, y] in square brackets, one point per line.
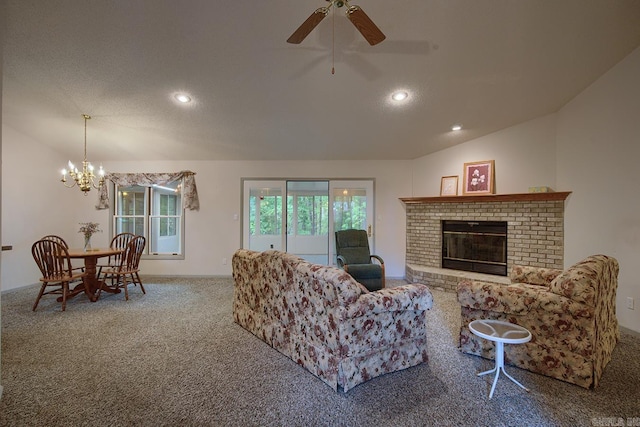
[149, 216]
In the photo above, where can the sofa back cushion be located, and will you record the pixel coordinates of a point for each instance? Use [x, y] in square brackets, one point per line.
[582, 281]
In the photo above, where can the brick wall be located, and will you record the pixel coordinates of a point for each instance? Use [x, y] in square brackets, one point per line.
[535, 235]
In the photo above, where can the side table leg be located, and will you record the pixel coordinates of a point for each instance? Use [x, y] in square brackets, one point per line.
[495, 381]
[490, 371]
[499, 365]
[514, 380]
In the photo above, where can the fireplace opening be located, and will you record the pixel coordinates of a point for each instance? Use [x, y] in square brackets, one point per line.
[478, 246]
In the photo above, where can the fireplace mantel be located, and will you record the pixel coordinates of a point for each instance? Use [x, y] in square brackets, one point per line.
[519, 197]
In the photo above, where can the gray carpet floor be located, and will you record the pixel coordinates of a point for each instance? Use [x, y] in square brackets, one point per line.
[174, 357]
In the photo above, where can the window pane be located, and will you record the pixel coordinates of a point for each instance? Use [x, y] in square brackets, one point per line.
[312, 215]
[350, 209]
[168, 243]
[131, 200]
[252, 215]
[130, 225]
[270, 215]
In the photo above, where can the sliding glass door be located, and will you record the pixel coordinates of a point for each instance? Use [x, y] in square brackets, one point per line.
[300, 216]
[308, 220]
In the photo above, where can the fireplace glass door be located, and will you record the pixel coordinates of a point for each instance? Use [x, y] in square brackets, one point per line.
[478, 246]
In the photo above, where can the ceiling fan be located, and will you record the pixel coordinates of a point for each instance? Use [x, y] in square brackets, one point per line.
[356, 15]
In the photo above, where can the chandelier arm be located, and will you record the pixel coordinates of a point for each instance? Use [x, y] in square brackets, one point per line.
[64, 182]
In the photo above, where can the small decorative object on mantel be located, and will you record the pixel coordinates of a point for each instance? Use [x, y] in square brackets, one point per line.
[449, 186]
[540, 190]
[479, 178]
[88, 229]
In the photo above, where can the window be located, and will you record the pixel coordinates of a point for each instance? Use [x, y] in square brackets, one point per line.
[154, 212]
[350, 209]
[312, 212]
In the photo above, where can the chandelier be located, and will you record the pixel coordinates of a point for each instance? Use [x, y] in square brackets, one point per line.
[84, 178]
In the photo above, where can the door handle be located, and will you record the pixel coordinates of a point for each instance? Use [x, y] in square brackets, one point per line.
[369, 230]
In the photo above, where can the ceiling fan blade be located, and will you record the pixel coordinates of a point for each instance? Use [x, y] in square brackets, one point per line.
[308, 25]
[365, 25]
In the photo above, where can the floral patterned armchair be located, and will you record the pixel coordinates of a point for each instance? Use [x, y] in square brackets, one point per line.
[325, 321]
[571, 315]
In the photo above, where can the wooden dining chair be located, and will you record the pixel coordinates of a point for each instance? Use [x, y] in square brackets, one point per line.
[60, 240]
[119, 241]
[126, 272]
[55, 265]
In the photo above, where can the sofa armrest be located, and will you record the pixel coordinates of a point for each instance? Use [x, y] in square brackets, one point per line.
[401, 298]
[517, 299]
[533, 275]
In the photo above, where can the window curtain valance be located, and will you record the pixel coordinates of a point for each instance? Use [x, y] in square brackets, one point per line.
[189, 191]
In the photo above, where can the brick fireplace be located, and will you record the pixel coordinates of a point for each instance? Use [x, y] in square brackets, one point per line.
[535, 232]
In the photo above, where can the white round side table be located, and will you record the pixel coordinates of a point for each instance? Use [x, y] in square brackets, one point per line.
[501, 333]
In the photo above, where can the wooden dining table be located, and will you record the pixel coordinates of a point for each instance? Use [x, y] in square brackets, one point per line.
[90, 257]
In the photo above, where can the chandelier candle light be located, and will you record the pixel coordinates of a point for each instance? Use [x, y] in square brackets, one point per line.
[84, 179]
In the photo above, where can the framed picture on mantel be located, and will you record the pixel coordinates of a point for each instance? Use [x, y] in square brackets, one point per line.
[449, 186]
[478, 178]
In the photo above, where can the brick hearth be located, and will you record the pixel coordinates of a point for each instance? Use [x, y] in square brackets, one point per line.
[535, 233]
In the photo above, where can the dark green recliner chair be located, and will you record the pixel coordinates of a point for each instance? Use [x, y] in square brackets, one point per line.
[353, 255]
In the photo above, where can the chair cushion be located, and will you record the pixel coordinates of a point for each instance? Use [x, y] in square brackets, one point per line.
[353, 245]
[364, 271]
[356, 255]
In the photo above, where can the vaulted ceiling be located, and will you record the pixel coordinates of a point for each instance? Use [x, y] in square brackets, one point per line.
[486, 64]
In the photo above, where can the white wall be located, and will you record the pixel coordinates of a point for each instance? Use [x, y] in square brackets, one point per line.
[33, 206]
[598, 150]
[524, 157]
[212, 233]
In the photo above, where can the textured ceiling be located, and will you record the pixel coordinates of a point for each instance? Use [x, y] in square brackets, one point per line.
[488, 64]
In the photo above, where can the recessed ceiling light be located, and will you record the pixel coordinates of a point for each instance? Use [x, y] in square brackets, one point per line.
[456, 127]
[184, 98]
[399, 95]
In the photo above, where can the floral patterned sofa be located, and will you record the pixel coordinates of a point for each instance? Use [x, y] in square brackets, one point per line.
[325, 321]
[571, 315]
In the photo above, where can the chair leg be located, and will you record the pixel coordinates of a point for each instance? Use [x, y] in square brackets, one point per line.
[102, 285]
[126, 287]
[42, 288]
[65, 291]
[140, 282]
